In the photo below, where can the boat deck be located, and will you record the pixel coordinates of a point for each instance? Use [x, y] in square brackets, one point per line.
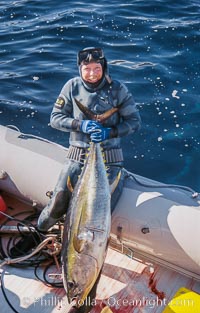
[127, 284]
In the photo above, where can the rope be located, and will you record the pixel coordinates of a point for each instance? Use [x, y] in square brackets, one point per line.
[21, 259]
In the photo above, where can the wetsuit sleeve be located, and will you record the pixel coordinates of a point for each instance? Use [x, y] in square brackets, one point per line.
[129, 114]
[62, 113]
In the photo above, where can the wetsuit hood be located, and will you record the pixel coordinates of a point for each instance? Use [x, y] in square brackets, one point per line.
[105, 77]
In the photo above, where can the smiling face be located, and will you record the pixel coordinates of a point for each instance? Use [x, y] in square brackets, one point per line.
[91, 72]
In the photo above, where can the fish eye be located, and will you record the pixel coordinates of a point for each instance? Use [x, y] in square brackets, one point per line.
[70, 284]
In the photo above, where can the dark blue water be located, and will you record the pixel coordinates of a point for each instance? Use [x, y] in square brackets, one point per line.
[152, 46]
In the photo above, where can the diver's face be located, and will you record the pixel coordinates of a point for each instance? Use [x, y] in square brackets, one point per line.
[91, 72]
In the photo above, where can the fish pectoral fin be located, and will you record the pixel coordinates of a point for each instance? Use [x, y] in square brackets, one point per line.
[82, 238]
[85, 110]
[78, 244]
[69, 184]
[113, 186]
[97, 117]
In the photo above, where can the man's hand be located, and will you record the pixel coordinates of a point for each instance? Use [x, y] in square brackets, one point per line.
[100, 134]
[89, 126]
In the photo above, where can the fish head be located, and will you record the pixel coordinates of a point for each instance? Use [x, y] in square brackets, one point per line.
[81, 278]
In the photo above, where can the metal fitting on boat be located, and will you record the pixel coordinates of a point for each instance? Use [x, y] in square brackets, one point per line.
[145, 230]
[49, 194]
[3, 174]
[119, 233]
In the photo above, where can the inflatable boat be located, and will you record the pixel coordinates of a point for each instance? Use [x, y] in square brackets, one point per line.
[154, 234]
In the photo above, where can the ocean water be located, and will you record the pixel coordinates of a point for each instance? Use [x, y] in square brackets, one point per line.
[152, 46]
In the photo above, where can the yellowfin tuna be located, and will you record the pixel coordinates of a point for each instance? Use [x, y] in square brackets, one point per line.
[87, 228]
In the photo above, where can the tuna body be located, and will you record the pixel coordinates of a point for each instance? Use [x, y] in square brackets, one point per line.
[87, 228]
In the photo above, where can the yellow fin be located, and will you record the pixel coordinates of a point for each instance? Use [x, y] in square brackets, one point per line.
[106, 309]
[69, 185]
[113, 186]
[78, 244]
[80, 239]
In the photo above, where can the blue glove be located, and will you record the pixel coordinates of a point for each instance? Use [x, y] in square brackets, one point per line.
[88, 126]
[100, 134]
